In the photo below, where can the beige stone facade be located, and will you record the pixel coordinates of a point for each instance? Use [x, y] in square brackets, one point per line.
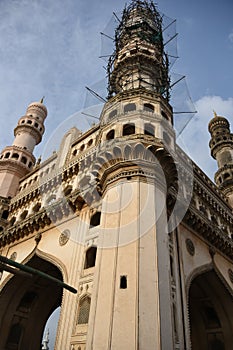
[121, 214]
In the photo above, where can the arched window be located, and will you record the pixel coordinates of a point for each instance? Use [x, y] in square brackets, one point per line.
[113, 113]
[12, 220]
[164, 115]
[130, 107]
[23, 215]
[110, 135]
[5, 214]
[128, 129]
[24, 160]
[15, 156]
[95, 219]
[90, 257]
[7, 155]
[90, 142]
[149, 129]
[36, 207]
[148, 107]
[27, 301]
[14, 336]
[67, 190]
[84, 310]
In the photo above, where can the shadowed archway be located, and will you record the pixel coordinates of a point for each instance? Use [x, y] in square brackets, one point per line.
[26, 304]
[211, 313]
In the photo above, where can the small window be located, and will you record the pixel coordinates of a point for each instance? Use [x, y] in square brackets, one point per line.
[84, 310]
[7, 155]
[23, 121]
[36, 125]
[130, 107]
[123, 282]
[29, 122]
[148, 107]
[95, 219]
[74, 153]
[30, 165]
[82, 148]
[14, 336]
[113, 114]
[149, 129]
[164, 115]
[24, 160]
[90, 257]
[128, 129]
[67, 190]
[90, 143]
[110, 135]
[23, 215]
[36, 208]
[27, 301]
[12, 221]
[15, 156]
[5, 214]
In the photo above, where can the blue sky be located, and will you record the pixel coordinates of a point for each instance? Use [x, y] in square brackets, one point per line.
[51, 48]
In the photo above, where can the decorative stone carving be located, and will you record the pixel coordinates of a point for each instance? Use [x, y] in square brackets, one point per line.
[190, 247]
[64, 237]
[13, 256]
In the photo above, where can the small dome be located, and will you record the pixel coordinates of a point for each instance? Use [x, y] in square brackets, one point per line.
[217, 122]
[37, 107]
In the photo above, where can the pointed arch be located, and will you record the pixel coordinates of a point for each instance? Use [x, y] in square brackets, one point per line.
[211, 312]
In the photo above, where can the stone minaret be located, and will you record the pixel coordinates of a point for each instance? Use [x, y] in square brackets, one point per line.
[17, 160]
[132, 284]
[221, 145]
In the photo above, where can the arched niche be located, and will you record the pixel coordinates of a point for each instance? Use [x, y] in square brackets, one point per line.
[25, 306]
[211, 313]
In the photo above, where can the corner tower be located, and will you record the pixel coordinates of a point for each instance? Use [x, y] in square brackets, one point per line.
[17, 160]
[221, 146]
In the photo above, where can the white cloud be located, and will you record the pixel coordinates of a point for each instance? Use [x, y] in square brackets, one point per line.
[195, 138]
[230, 37]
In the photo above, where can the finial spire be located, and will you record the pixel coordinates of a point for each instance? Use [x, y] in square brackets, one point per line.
[42, 99]
[215, 114]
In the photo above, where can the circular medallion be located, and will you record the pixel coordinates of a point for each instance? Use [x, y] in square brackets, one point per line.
[190, 246]
[64, 237]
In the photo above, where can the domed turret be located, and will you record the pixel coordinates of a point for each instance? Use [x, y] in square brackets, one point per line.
[221, 146]
[17, 160]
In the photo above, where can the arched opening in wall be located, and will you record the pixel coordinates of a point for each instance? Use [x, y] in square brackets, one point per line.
[110, 135]
[84, 310]
[15, 156]
[5, 214]
[24, 160]
[148, 107]
[130, 107]
[7, 155]
[128, 129]
[23, 215]
[67, 190]
[90, 257]
[95, 219]
[26, 303]
[149, 129]
[211, 313]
